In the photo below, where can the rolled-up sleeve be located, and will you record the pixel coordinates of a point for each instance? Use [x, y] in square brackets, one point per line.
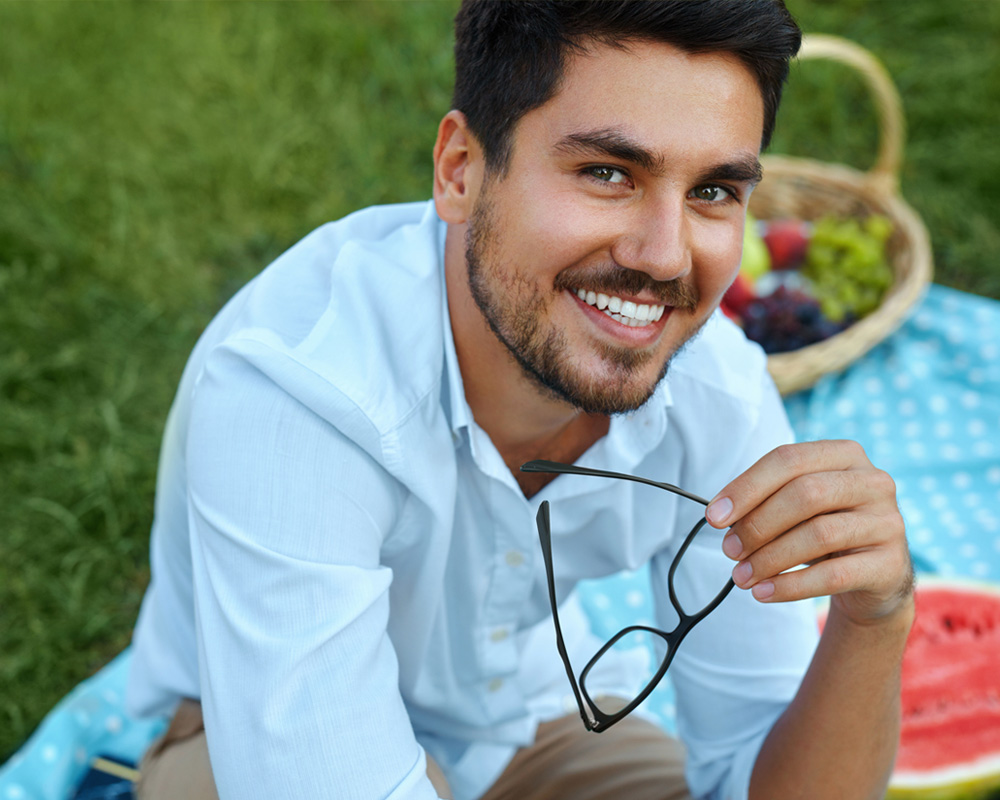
[298, 676]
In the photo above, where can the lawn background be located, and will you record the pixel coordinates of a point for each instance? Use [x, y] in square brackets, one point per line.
[155, 156]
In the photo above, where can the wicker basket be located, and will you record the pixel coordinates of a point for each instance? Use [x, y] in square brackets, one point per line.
[807, 189]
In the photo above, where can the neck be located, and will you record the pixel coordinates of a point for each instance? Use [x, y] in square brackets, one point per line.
[522, 420]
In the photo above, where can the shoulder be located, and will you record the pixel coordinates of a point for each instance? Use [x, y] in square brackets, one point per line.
[348, 322]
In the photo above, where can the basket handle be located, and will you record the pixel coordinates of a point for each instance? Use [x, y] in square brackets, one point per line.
[884, 174]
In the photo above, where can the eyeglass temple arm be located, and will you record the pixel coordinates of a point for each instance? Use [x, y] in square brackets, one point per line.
[556, 467]
[545, 535]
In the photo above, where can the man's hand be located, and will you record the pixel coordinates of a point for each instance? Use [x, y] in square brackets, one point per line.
[822, 504]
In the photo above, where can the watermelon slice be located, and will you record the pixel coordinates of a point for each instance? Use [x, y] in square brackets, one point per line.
[950, 740]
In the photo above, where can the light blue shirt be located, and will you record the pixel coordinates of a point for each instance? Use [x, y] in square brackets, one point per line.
[348, 576]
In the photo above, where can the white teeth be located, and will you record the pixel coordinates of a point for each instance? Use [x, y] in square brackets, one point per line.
[624, 311]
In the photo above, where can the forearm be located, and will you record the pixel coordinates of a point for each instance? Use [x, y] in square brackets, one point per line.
[838, 737]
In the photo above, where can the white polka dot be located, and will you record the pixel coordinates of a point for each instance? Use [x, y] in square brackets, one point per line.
[945, 568]
[996, 545]
[876, 408]
[113, 723]
[916, 449]
[954, 336]
[993, 474]
[923, 536]
[844, 407]
[938, 404]
[920, 369]
[914, 516]
[14, 792]
[942, 429]
[956, 531]
[972, 499]
[980, 569]
[983, 448]
[951, 452]
[922, 321]
[927, 483]
[976, 376]
[938, 501]
[961, 480]
[949, 303]
[988, 352]
[879, 429]
[601, 601]
[912, 429]
[902, 381]
[110, 696]
[79, 755]
[669, 710]
[976, 427]
[969, 550]
[82, 719]
[907, 408]
[935, 553]
[49, 753]
[970, 400]
[949, 517]
[634, 598]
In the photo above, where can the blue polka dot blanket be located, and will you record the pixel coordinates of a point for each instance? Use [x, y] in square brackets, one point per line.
[926, 406]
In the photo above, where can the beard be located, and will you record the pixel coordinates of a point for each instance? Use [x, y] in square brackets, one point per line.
[515, 309]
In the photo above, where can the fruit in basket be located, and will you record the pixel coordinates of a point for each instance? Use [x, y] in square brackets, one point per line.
[737, 297]
[787, 319]
[847, 265]
[787, 241]
[950, 737]
[756, 259]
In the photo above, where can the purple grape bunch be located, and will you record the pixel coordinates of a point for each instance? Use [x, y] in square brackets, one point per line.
[788, 319]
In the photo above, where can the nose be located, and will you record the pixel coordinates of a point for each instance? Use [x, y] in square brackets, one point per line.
[656, 240]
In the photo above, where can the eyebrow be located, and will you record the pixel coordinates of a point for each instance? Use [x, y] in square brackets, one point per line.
[613, 144]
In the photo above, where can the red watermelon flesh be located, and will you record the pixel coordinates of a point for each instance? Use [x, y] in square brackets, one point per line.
[950, 738]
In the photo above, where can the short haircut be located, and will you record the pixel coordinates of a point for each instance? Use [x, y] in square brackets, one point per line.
[510, 54]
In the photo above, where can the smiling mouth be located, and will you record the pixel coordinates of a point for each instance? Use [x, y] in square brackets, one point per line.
[623, 311]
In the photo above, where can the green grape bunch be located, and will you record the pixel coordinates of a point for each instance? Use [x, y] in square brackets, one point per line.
[847, 265]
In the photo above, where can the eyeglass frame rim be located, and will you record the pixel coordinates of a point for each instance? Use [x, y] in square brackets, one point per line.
[602, 721]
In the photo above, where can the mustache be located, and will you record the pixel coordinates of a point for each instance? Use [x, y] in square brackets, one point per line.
[615, 280]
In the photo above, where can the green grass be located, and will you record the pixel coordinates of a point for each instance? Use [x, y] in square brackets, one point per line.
[153, 157]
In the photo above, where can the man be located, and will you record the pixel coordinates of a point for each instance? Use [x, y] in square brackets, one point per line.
[348, 599]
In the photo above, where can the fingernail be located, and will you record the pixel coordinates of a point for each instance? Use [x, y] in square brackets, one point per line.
[718, 512]
[732, 546]
[762, 591]
[742, 572]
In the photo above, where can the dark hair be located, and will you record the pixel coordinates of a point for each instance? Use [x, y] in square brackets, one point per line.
[510, 54]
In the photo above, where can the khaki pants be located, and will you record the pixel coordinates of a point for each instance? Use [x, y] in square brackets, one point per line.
[634, 760]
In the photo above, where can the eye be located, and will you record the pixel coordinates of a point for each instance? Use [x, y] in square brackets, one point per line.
[607, 174]
[712, 193]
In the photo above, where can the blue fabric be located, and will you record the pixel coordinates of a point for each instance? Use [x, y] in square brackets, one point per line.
[926, 406]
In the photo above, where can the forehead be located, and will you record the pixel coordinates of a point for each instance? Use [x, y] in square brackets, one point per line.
[671, 100]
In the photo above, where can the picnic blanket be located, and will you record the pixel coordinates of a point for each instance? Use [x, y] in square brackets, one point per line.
[926, 406]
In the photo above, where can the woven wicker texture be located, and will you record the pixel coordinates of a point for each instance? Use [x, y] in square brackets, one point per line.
[808, 190]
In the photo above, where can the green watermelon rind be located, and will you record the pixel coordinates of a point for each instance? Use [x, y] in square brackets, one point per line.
[974, 781]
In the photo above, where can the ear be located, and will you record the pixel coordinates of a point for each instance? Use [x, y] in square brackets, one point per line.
[458, 168]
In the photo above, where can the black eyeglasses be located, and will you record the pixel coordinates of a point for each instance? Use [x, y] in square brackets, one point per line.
[597, 713]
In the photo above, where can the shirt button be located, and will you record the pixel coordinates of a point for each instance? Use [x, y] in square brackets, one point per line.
[515, 558]
[498, 635]
[495, 685]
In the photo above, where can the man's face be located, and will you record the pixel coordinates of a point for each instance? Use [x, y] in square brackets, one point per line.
[618, 224]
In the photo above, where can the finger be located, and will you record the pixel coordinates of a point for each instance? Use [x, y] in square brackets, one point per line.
[810, 542]
[851, 573]
[801, 499]
[776, 469]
